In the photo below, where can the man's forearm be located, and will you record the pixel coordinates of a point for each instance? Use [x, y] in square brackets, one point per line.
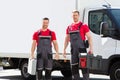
[65, 45]
[90, 43]
[33, 48]
[66, 42]
[56, 48]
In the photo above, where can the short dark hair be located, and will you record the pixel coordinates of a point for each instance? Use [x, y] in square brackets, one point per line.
[46, 18]
[76, 12]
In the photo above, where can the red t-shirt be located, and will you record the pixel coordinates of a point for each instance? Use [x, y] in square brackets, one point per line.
[44, 33]
[83, 29]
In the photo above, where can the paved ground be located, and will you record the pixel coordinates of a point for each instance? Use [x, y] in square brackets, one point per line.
[14, 74]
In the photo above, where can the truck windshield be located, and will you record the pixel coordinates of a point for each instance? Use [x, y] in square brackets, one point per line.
[116, 15]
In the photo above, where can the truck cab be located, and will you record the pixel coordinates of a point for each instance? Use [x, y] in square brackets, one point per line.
[105, 30]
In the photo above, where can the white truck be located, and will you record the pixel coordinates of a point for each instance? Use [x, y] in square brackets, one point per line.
[19, 20]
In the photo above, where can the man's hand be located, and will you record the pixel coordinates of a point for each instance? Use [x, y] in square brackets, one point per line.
[64, 54]
[32, 56]
[57, 56]
[90, 51]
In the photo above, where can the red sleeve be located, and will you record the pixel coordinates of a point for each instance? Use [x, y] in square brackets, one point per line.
[35, 36]
[53, 36]
[67, 30]
[86, 29]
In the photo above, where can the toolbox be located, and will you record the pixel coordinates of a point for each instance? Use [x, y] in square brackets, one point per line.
[32, 66]
[90, 61]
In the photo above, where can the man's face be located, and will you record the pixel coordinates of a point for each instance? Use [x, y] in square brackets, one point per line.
[75, 17]
[45, 23]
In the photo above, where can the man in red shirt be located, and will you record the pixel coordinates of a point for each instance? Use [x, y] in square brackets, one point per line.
[75, 34]
[42, 39]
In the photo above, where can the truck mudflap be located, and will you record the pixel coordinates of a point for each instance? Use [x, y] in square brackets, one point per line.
[90, 61]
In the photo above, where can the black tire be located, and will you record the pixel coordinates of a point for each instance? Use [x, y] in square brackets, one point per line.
[25, 74]
[66, 73]
[115, 71]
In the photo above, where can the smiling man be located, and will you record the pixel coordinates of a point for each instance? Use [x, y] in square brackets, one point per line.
[76, 33]
[42, 39]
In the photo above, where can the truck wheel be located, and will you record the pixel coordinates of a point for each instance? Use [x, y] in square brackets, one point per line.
[115, 71]
[25, 74]
[66, 73]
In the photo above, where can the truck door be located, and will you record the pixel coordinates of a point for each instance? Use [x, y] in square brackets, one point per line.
[103, 45]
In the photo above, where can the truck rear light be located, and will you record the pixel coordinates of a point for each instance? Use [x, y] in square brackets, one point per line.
[83, 62]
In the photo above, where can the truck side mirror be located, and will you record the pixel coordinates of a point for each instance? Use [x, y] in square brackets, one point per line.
[104, 29]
